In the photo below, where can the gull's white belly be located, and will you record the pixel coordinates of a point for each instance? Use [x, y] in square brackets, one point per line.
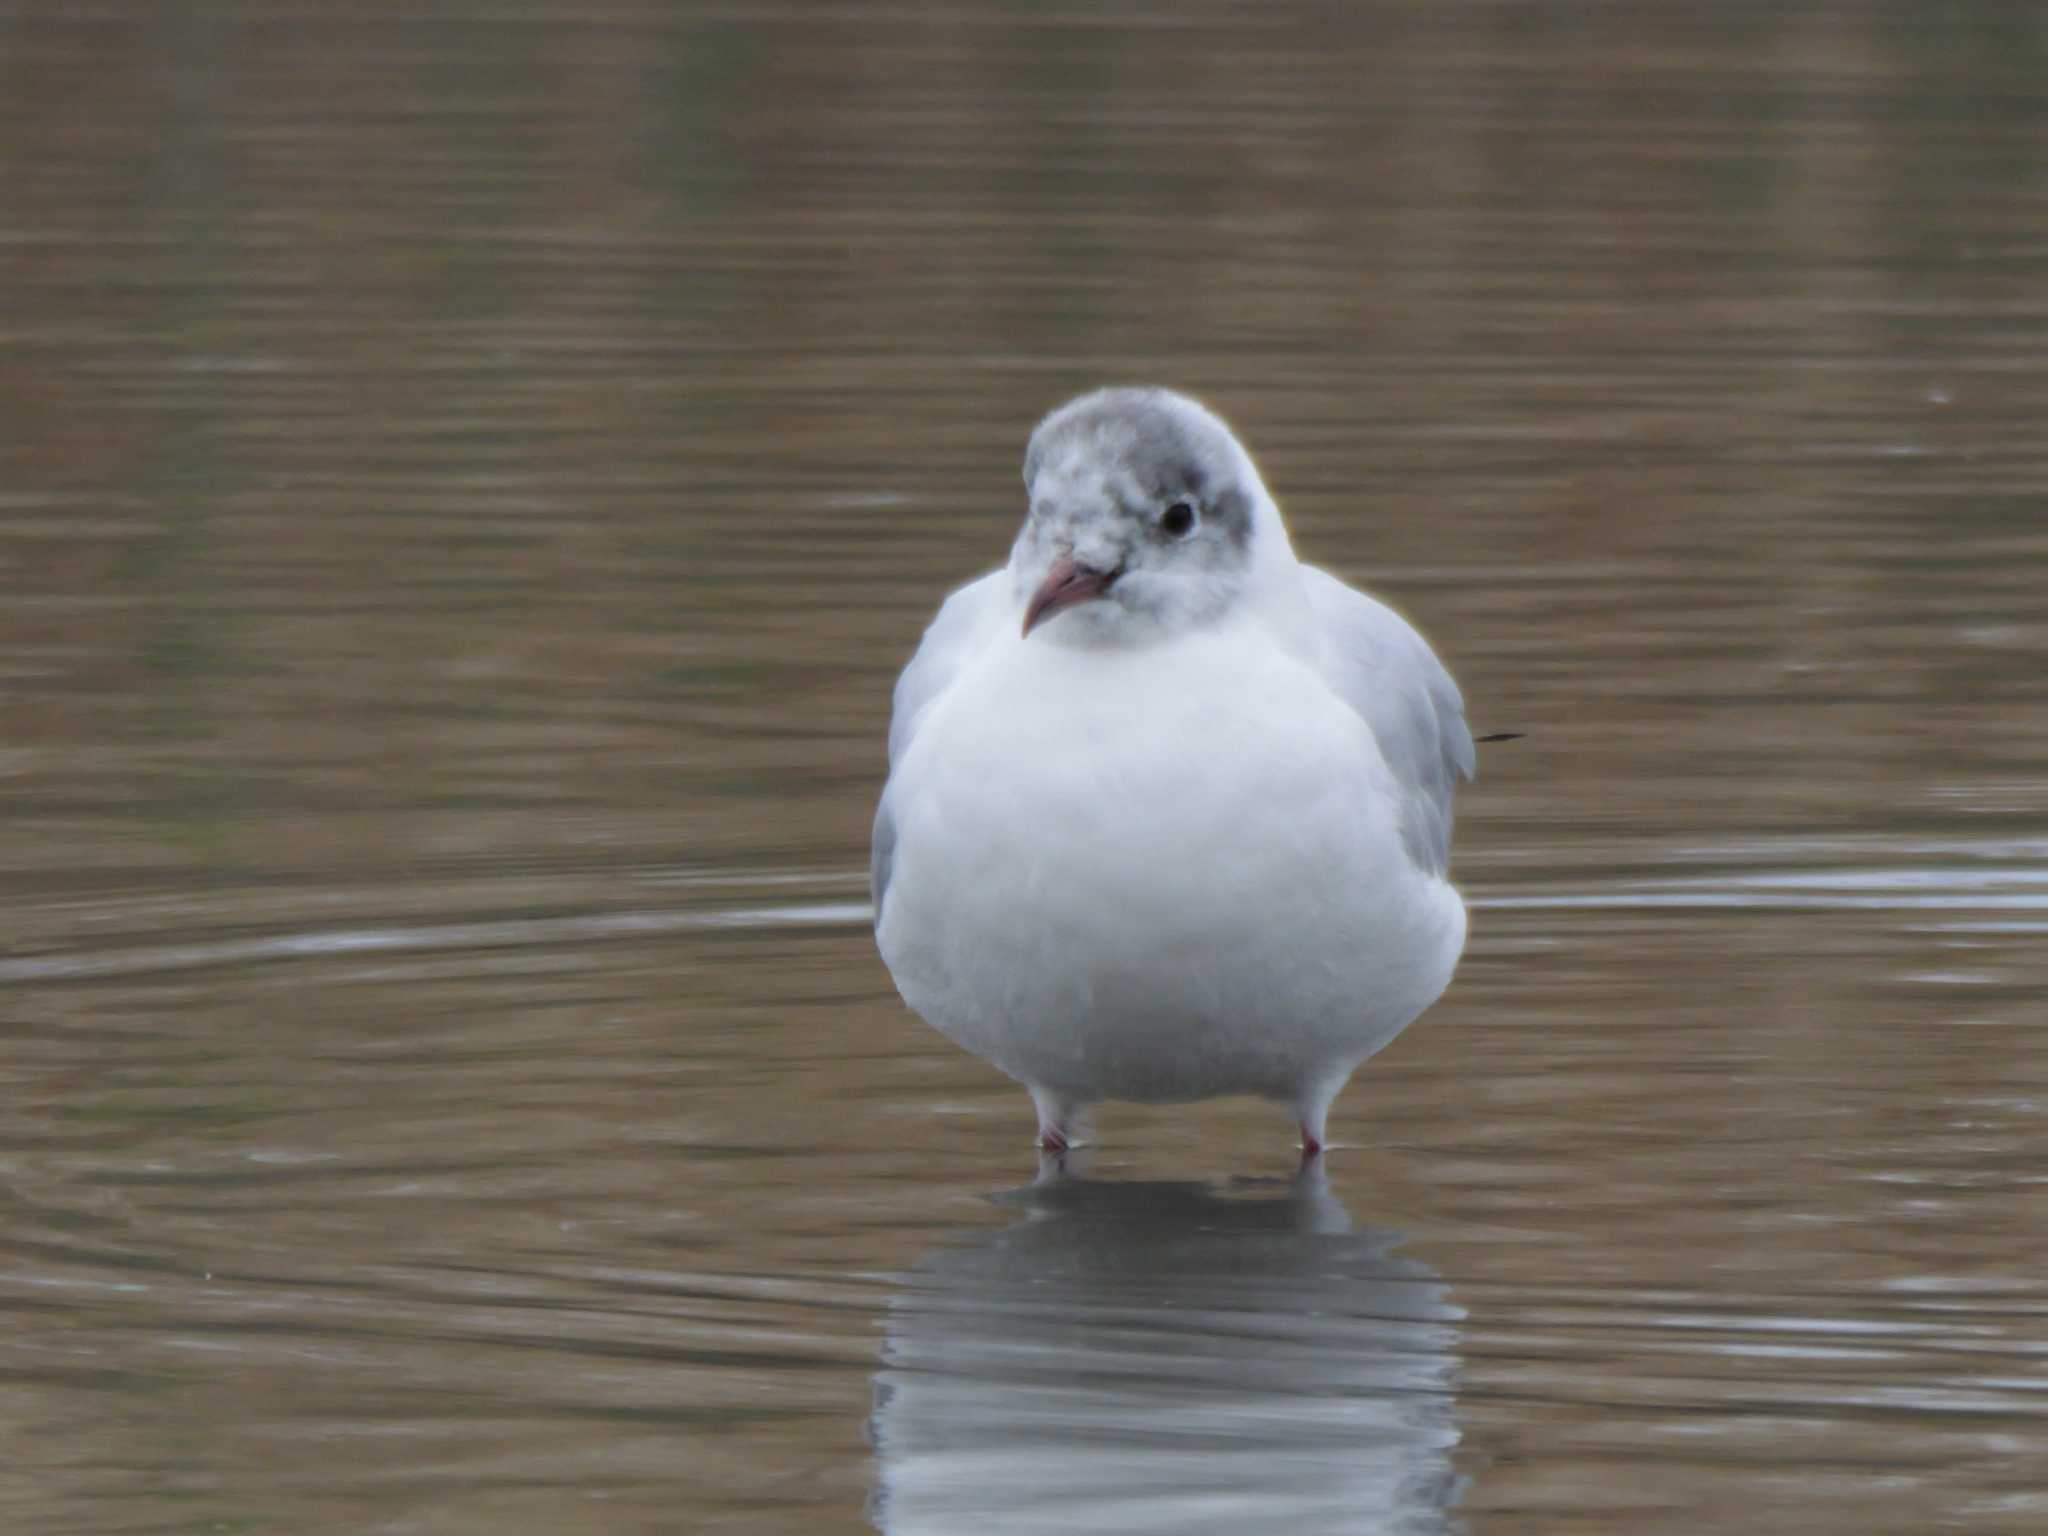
[1158, 874]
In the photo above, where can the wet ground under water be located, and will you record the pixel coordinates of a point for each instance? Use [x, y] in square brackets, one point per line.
[469, 480]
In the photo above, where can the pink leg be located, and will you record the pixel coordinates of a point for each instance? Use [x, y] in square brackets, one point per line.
[1056, 1126]
[1311, 1113]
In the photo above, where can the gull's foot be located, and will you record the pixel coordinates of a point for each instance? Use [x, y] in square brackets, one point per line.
[1311, 1177]
[1311, 1143]
[1054, 1140]
[1058, 1167]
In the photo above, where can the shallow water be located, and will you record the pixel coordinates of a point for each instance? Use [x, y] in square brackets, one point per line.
[468, 483]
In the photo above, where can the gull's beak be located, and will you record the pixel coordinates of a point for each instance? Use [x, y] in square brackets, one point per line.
[1067, 583]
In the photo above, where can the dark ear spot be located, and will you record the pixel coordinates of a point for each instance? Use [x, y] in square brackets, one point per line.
[1231, 510]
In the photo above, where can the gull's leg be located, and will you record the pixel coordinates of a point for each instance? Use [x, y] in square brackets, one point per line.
[1059, 1126]
[1312, 1112]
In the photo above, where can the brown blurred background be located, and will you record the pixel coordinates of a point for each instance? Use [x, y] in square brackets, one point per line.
[470, 471]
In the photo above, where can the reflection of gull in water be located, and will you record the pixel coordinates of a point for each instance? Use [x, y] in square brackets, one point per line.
[1169, 1358]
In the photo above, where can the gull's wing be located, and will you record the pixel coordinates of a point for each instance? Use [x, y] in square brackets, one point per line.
[954, 635]
[1385, 671]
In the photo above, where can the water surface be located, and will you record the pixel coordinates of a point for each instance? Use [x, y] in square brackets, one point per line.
[467, 480]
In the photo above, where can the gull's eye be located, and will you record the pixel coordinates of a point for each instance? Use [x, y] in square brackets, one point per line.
[1178, 520]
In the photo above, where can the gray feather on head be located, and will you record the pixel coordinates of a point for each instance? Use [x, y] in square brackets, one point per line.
[1165, 448]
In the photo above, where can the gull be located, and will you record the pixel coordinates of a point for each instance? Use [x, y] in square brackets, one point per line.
[1168, 813]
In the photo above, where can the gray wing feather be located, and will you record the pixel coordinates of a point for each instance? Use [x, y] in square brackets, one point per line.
[881, 853]
[1386, 672]
[948, 641]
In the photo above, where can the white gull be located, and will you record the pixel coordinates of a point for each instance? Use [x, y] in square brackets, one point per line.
[1168, 812]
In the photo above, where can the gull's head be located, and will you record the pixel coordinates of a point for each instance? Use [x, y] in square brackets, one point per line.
[1147, 518]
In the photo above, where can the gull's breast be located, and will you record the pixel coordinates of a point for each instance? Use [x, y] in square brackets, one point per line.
[1157, 873]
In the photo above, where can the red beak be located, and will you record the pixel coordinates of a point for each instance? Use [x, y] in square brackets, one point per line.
[1067, 583]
